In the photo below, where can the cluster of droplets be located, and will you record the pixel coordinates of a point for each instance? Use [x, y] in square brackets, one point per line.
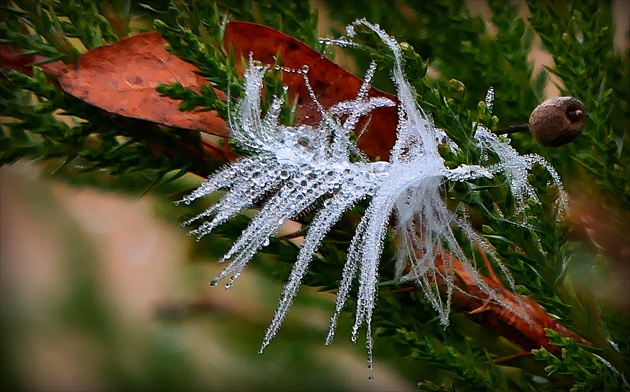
[293, 168]
[514, 166]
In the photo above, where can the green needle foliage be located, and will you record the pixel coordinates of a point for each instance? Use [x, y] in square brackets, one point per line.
[42, 123]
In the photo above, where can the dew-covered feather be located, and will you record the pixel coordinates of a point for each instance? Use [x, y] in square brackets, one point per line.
[291, 169]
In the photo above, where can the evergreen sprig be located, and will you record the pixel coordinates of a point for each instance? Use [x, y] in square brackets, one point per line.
[582, 46]
[590, 371]
[84, 138]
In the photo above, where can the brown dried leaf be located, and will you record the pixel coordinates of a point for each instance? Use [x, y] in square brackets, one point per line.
[529, 334]
[121, 78]
[330, 82]
[12, 59]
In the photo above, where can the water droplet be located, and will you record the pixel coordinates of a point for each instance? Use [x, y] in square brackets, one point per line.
[305, 68]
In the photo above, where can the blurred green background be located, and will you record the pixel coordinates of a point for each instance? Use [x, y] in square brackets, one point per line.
[99, 293]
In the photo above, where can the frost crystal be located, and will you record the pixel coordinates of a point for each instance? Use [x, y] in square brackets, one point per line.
[292, 168]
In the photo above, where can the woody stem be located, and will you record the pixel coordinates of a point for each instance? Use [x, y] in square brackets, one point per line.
[513, 129]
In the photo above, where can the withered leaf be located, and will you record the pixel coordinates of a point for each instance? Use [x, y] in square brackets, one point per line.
[12, 59]
[121, 78]
[331, 83]
[529, 334]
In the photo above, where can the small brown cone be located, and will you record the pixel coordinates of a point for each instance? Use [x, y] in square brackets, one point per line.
[558, 121]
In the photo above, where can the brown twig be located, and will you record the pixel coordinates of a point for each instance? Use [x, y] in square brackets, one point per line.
[513, 129]
[511, 357]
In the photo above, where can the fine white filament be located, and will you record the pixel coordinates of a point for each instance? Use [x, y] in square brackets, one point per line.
[289, 169]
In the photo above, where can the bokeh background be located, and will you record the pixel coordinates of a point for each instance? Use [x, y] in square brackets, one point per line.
[101, 292]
